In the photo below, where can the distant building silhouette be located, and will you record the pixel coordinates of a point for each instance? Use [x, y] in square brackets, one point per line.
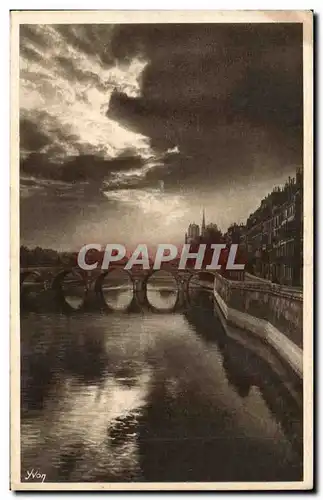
[273, 234]
[193, 233]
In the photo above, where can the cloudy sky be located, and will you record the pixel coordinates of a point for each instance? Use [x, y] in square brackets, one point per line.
[128, 131]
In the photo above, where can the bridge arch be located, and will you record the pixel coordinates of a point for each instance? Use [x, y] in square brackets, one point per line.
[36, 284]
[25, 274]
[77, 302]
[149, 303]
[98, 283]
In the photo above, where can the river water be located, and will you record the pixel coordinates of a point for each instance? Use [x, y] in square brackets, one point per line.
[154, 397]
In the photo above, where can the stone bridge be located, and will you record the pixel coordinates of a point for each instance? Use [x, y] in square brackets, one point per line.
[48, 287]
[259, 308]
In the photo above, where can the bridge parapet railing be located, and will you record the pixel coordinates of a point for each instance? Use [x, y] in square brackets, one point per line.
[280, 306]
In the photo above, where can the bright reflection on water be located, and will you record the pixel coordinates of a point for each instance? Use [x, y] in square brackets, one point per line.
[73, 289]
[162, 290]
[132, 397]
[117, 289]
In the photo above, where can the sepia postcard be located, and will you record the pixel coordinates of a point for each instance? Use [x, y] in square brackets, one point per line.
[161, 250]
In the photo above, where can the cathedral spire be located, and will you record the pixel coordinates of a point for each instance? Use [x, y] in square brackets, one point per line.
[203, 221]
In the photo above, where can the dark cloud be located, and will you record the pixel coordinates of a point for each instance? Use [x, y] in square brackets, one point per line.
[92, 39]
[46, 159]
[220, 109]
[42, 130]
[228, 95]
[32, 138]
[77, 169]
[28, 35]
[30, 53]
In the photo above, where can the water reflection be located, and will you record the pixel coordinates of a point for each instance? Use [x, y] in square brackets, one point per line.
[152, 398]
[247, 369]
[117, 289]
[199, 288]
[31, 286]
[73, 289]
[162, 290]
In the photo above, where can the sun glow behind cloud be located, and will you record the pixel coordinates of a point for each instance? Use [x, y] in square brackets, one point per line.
[84, 174]
[65, 94]
[76, 97]
[161, 207]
